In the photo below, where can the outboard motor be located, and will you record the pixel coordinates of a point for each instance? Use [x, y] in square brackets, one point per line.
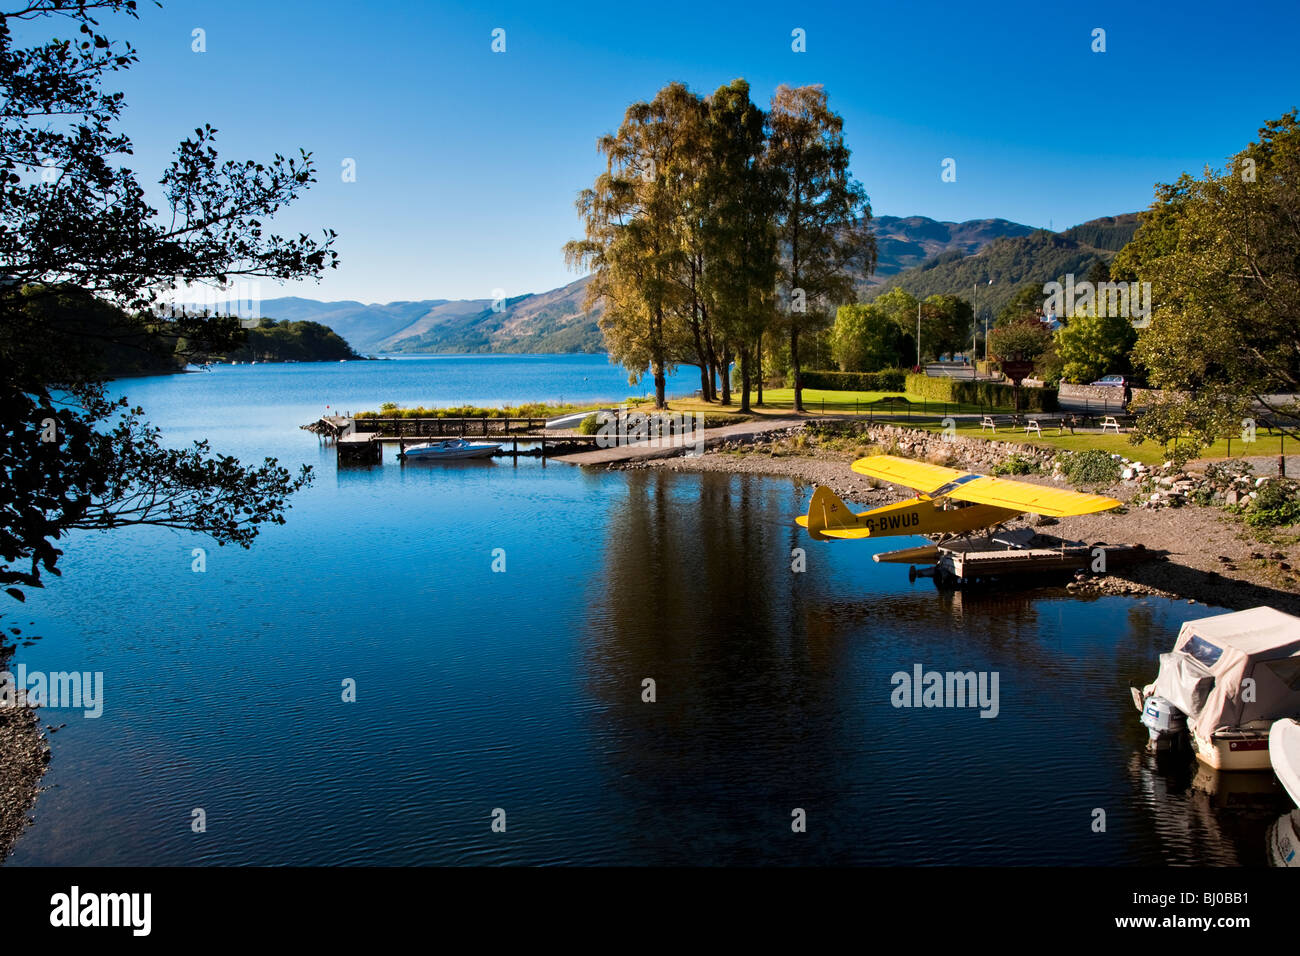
[1166, 724]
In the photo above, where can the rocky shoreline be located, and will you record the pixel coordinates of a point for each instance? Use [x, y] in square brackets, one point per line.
[1209, 554]
[24, 755]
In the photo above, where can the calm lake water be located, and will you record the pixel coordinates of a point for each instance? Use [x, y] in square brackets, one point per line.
[522, 690]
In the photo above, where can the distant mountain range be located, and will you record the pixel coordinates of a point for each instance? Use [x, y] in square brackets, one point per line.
[1013, 261]
[923, 254]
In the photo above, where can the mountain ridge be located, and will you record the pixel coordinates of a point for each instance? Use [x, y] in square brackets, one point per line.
[556, 320]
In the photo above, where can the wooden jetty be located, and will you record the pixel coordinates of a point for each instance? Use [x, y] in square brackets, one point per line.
[480, 426]
[360, 448]
[366, 447]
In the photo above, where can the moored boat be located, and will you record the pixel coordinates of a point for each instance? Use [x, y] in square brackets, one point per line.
[451, 449]
[1226, 682]
[1284, 754]
[1284, 840]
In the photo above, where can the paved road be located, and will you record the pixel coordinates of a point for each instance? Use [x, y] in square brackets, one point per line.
[1264, 464]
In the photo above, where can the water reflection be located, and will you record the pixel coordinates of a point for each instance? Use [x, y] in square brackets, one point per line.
[772, 692]
[524, 690]
[1283, 840]
[1199, 816]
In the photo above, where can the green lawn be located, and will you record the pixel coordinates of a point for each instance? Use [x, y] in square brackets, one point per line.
[816, 401]
[1148, 452]
[928, 415]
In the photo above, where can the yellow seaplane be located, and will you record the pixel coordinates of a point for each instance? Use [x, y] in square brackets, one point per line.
[948, 501]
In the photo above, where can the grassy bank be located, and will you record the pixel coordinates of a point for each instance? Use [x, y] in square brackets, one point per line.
[713, 416]
[1148, 453]
[527, 410]
[816, 401]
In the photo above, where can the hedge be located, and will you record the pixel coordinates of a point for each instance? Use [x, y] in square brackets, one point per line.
[964, 391]
[888, 380]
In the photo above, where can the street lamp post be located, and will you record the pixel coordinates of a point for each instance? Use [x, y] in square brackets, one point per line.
[918, 336]
[986, 328]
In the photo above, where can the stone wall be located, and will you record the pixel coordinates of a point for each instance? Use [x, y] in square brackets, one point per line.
[1079, 396]
[975, 454]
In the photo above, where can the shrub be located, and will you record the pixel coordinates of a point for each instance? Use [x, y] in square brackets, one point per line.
[943, 389]
[1015, 464]
[1091, 468]
[887, 380]
[589, 425]
[1275, 504]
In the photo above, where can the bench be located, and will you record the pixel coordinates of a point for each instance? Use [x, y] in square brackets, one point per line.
[1032, 425]
[1270, 422]
[1109, 422]
[988, 422]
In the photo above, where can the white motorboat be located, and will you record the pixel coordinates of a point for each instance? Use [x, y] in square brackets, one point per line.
[1284, 832]
[1284, 840]
[451, 449]
[1284, 753]
[1226, 682]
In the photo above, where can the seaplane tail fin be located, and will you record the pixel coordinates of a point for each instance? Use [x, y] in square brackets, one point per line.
[827, 513]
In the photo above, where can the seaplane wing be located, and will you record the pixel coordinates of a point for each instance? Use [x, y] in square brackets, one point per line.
[988, 502]
[917, 475]
[1026, 497]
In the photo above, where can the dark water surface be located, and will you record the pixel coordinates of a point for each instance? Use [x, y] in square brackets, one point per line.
[522, 690]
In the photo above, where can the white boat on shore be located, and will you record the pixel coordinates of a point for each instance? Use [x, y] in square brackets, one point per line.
[1221, 689]
[452, 449]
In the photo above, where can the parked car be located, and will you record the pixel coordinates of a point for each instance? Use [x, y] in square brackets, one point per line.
[1119, 380]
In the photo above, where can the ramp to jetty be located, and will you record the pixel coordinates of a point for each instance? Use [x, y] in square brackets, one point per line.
[743, 432]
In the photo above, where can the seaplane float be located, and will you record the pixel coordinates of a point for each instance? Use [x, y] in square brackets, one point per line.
[951, 503]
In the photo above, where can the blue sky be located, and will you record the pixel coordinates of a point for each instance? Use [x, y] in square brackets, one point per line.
[468, 161]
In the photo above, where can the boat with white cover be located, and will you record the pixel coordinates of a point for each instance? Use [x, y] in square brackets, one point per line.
[1226, 682]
